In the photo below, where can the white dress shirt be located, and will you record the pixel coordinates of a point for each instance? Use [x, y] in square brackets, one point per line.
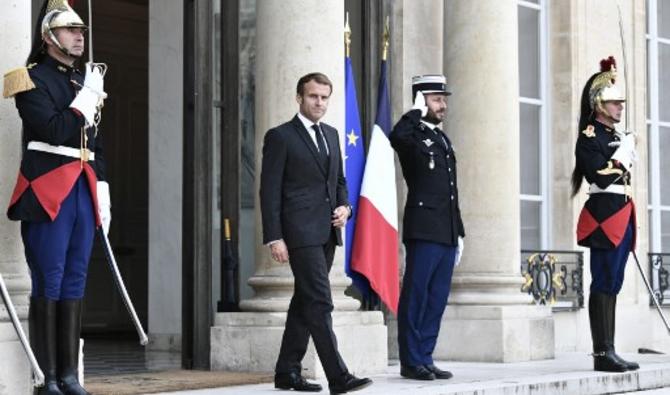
[308, 125]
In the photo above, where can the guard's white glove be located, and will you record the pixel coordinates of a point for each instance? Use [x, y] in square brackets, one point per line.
[459, 251]
[104, 205]
[91, 95]
[420, 104]
[626, 154]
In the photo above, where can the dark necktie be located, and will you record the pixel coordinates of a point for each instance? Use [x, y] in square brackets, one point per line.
[438, 131]
[321, 144]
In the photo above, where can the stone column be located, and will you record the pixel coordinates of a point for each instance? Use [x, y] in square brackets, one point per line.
[166, 50]
[293, 39]
[488, 319]
[15, 376]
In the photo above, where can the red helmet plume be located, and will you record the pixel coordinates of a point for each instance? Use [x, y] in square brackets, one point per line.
[607, 64]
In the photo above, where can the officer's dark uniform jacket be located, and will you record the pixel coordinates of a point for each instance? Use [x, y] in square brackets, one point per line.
[429, 167]
[45, 179]
[605, 216]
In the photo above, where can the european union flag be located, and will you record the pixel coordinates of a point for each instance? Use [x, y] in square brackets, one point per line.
[354, 161]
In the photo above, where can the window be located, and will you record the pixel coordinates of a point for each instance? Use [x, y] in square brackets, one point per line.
[533, 125]
[658, 122]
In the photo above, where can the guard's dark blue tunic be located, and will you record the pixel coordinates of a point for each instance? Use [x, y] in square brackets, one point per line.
[607, 221]
[55, 195]
[431, 226]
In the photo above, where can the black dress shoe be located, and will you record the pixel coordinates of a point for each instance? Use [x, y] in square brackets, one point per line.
[294, 381]
[349, 383]
[439, 373]
[416, 372]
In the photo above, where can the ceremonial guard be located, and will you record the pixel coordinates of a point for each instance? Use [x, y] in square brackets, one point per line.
[432, 226]
[607, 221]
[61, 196]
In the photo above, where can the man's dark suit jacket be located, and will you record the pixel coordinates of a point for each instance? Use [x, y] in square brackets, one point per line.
[298, 195]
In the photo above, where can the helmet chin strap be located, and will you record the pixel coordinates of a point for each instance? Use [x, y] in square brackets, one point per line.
[60, 47]
[602, 112]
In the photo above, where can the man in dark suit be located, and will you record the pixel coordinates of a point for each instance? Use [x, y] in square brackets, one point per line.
[432, 226]
[304, 204]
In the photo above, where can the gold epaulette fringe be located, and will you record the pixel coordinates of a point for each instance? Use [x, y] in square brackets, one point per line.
[589, 131]
[17, 81]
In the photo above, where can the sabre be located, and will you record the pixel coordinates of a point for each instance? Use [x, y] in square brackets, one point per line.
[637, 261]
[90, 32]
[121, 286]
[651, 292]
[38, 376]
[625, 63]
[102, 67]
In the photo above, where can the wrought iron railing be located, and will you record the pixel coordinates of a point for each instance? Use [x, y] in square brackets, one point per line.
[554, 278]
[659, 269]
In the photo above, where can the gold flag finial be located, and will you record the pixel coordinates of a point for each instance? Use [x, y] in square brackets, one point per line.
[347, 35]
[387, 36]
[227, 228]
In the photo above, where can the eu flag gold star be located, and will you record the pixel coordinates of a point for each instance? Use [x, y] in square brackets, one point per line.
[352, 138]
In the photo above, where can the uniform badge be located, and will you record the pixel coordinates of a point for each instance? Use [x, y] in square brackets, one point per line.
[589, 131]
[428, 142]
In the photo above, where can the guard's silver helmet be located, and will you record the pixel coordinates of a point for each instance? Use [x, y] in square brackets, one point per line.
[59, 14]
[603, 87]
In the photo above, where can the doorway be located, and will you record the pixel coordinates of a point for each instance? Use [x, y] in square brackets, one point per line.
[121, 39]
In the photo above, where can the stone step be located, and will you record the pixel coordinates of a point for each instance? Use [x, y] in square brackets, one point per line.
[568, 373]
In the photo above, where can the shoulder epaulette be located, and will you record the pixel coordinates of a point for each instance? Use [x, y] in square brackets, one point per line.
[589, 131]
[17, 81]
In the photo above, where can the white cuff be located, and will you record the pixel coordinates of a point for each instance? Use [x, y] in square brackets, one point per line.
[103, 194]
[269, 244]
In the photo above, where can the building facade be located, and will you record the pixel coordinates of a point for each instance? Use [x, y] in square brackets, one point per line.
[194, 85]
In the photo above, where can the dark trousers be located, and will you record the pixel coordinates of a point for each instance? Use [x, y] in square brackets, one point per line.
[608, 265]
[425, 291]
[58, 252]
[310, 313]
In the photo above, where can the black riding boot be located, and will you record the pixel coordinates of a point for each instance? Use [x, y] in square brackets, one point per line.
[604, 358]
[69, 328]
[42, 329]
[629, 365]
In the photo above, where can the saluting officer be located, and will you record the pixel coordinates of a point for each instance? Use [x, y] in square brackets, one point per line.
[432, 226]
[60, 196]
[607, 221]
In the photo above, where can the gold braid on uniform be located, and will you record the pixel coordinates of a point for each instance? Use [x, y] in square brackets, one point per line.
[610, 169]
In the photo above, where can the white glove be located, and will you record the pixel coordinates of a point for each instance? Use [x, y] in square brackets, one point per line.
[94, 80]
[91, 95]
[459, 251]
[626, 154]
[420, 104]
[104, 205]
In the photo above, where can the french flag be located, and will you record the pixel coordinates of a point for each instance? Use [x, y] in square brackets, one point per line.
[375, 246]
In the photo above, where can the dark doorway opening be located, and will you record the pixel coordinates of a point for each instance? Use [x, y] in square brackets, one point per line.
[121, 40]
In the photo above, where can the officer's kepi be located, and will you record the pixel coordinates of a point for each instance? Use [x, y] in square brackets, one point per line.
[430, 83]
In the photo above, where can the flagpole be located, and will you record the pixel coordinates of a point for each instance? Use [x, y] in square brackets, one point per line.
[386, 38]
[347, 36]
